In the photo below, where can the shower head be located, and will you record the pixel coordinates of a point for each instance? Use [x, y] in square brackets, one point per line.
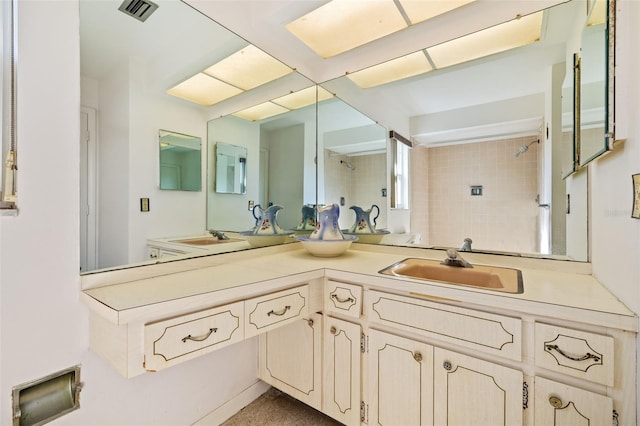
[524, 148]
[348, 165]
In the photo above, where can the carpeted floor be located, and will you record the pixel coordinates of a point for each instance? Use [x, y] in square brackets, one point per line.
[277, 408]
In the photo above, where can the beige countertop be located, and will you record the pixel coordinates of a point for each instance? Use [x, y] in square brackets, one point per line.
[554, 288]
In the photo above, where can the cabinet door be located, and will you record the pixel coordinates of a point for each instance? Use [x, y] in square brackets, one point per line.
[561, 405]
[290, 359]
[472, 392]
[341, 367]
[400, 381]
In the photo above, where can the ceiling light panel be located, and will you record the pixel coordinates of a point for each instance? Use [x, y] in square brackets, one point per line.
[502, 37]
[406, 66]
[262, 111]
[248, 68]
[341, 25]
[421, 10]
[204, 90]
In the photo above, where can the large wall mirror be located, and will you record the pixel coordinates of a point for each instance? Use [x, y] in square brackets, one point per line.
[128, 66]
[495, 121]
[498, 123]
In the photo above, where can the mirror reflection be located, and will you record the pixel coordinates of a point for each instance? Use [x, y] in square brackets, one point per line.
[231, 169]
[593, 85]
[127, 69]
[491, 124]
[180, 162]
[505, 105]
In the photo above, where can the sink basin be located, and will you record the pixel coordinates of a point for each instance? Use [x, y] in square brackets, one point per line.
[486, 277]
[204, 241]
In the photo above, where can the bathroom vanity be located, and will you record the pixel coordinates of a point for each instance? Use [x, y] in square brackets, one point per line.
[369, 348]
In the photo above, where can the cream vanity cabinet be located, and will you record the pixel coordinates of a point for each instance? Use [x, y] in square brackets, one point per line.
[290, 359]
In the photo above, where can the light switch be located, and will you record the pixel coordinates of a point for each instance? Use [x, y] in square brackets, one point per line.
[636, 196]
[476, 190]
[144, 204]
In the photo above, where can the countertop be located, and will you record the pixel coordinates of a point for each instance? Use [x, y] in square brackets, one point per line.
[553, 288]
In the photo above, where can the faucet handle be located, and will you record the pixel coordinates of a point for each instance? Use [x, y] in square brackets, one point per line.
[452, 253]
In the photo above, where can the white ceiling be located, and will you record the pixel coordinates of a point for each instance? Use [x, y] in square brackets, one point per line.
[178, 43]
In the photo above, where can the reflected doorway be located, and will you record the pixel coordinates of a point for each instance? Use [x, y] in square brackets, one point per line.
[88, 207]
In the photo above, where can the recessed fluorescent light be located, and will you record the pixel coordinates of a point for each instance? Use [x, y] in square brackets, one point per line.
[204, 90]
[303, 98]
[259, 112]
[598, 14]
[248, 68]
[499, 38]
[418, 11]
[406, 66]
[341, 25]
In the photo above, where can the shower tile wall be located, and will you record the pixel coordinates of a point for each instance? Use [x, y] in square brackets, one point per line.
[504, 218]
[360, 187]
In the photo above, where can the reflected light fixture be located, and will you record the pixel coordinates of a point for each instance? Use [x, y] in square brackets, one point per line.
[243, 70]
[341, 25]
[598, 13]
[261, 111]
[248, 68]
[396, 69]
[204, 90]
[499, 38]
[303, 98]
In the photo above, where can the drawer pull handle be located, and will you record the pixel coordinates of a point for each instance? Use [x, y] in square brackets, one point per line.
[417, 356]
[201, 338]
[555, 402]
[585, 357]
[339, 300]
[279, 313]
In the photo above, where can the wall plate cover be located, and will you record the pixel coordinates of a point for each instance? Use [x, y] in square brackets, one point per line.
[635, 211]
[144, 204]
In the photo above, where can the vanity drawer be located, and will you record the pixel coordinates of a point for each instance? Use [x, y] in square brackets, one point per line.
[343, 298]
[169, 342]
[273, 310]
[575, 353]
[481, 331]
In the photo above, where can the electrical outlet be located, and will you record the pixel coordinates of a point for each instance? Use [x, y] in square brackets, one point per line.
[250, 205]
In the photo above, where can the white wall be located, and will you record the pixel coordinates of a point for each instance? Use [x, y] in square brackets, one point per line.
[615, 236]
[44, 326]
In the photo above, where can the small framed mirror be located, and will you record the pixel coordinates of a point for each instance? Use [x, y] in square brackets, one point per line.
[180, 161]
[231, 169]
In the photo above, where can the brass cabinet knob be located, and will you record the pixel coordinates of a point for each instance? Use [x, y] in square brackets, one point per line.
[555, 402]
[417, 356]
[310, 322]
[447, 365]
[333, 330]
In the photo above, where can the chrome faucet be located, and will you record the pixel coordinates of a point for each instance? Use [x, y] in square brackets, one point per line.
[466, 245]
[218, 234]
[454, 259]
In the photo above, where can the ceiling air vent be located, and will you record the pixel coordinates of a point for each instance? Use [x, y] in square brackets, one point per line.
[139, 9]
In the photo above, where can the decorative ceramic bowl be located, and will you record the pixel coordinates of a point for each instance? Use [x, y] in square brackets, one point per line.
[367, 238]
[326, 248]
[263, 240]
